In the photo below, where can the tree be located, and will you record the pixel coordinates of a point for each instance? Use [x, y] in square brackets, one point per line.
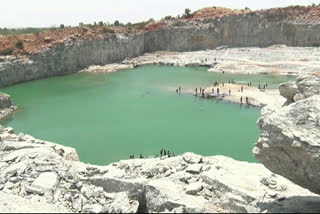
[81, 24]
[19, 44]
[116, 23]
[101, 24]
[61, 26]
[187, 12]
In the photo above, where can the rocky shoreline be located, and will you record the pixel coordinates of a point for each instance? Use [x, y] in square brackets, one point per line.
[7, 107]
[48, 176]
[45, 175]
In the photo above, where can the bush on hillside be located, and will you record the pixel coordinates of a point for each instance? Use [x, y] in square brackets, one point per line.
[19, 44]
[108, 30]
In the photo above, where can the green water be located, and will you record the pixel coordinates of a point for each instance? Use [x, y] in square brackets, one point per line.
[108, 117]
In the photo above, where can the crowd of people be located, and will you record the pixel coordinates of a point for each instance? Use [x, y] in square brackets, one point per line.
[216, 84]
[163, 153]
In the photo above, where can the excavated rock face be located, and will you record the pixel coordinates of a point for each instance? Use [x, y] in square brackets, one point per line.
[290, 142]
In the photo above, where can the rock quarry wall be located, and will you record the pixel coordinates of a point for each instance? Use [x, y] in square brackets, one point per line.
[233, 31]
[179, 35]
[70, 58]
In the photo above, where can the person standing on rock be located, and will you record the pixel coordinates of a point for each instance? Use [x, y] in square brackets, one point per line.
[196, 90]
[161, 152]
[241, 99]
[218, 91]
[141, 156]
[229, 91]
[173, 154]
[180, 89]
[164, 152]
[213, 90]
[241, 88]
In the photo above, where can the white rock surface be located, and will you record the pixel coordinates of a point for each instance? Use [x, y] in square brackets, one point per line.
[290, 142]
[35, 171]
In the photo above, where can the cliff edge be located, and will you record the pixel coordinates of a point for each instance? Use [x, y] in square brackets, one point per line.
[290, 142]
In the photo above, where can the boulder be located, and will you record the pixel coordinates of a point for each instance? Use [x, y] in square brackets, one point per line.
[46, 182]
[193, 188]
[122, 204]
[194, 168]
[288, 90]
[192, 158]
[308, 85]
[163, 195]
[92, 208]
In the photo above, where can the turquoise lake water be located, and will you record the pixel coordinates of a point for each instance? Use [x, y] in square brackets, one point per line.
[108, 117]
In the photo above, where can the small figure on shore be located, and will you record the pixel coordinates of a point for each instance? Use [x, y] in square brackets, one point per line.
[229, 81]
[196, 90]
[179, 88]
[161, 152]
[223, 72]
[247, 100]
[173, 154]
[229, 91]
[169, 154]
[164, 152]
[131, 156]
[202, 90]
[241, 88]
[259, 87]
[141, 156]
[241, 99]
[266, 84]
[250, 83]
[213, 90]
[218, 91]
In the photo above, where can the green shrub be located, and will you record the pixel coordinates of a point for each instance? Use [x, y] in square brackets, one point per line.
[107, 30]
[19, 44]
[116, 23]
[187, 13]
[61, 26]
[7, 51]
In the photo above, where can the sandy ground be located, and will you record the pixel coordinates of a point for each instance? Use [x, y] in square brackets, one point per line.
[257, 97]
